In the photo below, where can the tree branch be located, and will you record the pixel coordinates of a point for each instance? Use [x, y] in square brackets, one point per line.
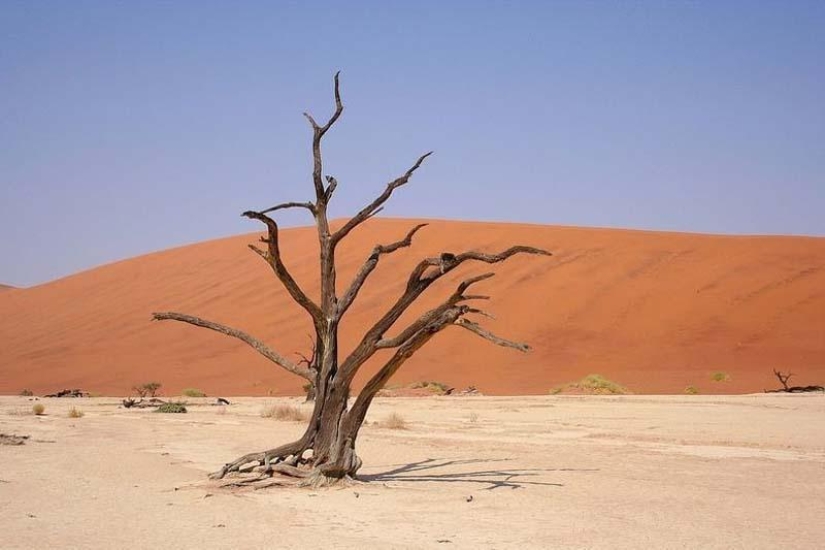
[417, 283]
[259, 346]
[487, 335]
[454, 299]
[373, 208]
[369, 266]
[308, 205]
[317, 134]
[274, 260]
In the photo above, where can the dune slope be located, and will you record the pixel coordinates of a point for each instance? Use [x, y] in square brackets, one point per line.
[653, 311]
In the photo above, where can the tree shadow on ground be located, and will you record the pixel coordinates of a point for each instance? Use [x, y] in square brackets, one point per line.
[494, 478]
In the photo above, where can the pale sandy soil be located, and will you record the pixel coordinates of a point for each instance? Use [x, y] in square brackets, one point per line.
[543, 472]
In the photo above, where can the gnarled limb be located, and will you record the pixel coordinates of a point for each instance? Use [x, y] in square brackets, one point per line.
[284, 205]
[318, 132]
[420, 279]
[455, 298]
[372, 208]
[262, 458]
[487, 335]
[277, 264]
[256, 344]
[369, 266]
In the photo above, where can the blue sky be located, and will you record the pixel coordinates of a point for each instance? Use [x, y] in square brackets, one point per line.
[128, 127]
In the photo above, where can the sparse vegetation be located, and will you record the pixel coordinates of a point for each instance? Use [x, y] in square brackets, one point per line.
[149, 389]
[437, 388]
[393, 422]
[193, 392]
[285, 412]
[38, 409]
[172, 407]
[74, 412]
[720, 377]
[592, 384]
[691, 390]
[26, 393]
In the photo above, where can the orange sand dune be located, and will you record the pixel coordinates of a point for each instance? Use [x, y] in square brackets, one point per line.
[654, 311]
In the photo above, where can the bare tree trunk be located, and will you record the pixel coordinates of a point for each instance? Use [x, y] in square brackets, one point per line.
[326, 452]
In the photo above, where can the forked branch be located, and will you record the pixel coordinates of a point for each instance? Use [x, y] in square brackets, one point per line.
[372, 208]
[277, 264]
[369, 266]
[317, 134]
[256, 344]
[420, 279]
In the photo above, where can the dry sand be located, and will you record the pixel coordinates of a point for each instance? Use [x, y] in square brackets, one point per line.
[655, 312]
[543, 472]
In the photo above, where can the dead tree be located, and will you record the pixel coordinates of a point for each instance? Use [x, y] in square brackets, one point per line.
[783, 378]
[326, 451]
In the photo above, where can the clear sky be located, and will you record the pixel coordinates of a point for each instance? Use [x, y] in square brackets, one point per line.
[128, 127]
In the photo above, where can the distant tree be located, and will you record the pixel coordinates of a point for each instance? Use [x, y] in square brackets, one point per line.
[149, 389]
[326, 451]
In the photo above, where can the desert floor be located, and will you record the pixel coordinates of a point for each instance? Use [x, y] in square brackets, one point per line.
[543, 472]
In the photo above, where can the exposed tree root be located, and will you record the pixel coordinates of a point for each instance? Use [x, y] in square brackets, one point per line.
[286, 466]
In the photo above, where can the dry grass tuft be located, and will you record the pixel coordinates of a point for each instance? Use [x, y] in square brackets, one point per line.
[38, 409]
[285, 412]
[592, 384]
[393, 422]
[74, 412]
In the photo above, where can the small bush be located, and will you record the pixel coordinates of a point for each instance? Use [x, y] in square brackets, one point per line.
[75, 413]
[593, 384]
[394, 422]
[691, 390]
[193, 392]
[720, 377]
[172, 407]
[438, 388]
[150, 389]
[285, 412]
[38, 409]
[26, 393]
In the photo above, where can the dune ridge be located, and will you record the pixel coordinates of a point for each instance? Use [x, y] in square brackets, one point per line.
[653, 311]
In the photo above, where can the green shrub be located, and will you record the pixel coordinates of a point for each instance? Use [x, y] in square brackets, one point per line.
[720, 377]
[26, 393]
[172, 407]
[38, 409]
[193, 392]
